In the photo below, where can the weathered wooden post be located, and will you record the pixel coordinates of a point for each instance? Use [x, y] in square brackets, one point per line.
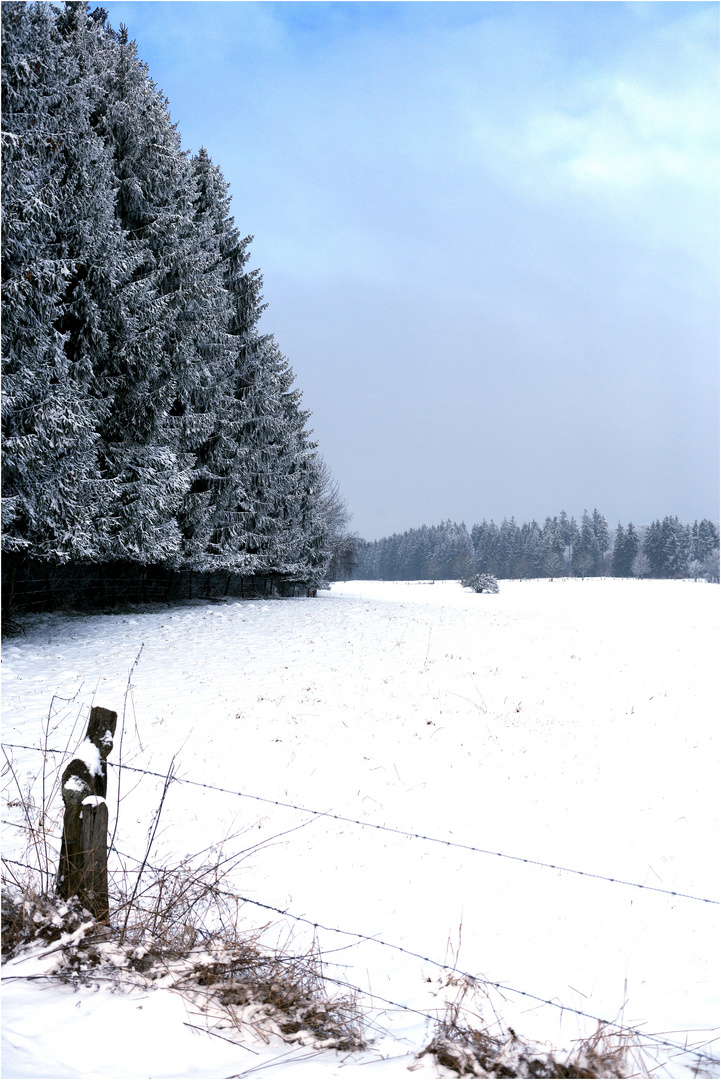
[83, 870]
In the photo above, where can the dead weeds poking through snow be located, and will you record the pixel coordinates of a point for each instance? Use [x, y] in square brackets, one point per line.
[463, 1043]
[236, 985]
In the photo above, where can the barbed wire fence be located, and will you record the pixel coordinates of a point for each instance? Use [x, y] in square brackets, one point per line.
[472, 979]
[391, 829]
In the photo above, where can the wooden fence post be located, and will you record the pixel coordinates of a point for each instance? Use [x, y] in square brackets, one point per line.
[94, 844]
[83, 870]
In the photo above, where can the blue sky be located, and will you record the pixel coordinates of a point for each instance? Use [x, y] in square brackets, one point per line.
[488, 234]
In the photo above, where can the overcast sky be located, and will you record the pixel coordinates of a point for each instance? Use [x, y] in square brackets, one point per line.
[489, 239]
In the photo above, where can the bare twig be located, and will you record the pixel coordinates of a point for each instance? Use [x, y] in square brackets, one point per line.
[120, 741]
[151, 839]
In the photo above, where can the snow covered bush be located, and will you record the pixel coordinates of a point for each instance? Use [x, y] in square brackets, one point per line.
[29, 918]
[481, 583]
[227, 976]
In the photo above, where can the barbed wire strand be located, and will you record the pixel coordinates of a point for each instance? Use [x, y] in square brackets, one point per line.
[619, 1029]
[397, 832]
[458, 971]
[502, 987]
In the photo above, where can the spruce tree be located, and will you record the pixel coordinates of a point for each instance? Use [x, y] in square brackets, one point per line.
[487, 546]
[619, 559]
[653, 550]
[552, 548]
[625, 549]
[532, 551]
[602, 537]
[153, 367]
[632, 546]
[586, 553]
[509, 549]
[61, 265]
[705, 540]
[422, 553]
[210, 411]
[144, 415]
[676, 547]
[568, 533]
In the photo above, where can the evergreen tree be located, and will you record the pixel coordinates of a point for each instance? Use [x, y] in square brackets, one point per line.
[509, 549]
[455, 551]
[61, 265]
[153, 368]
[633, 545]
[587, 553]
[301, 540]
[568, 532]
[487, 547]
[531, 558]
[653, 550]
[422, 554]
[625, 549]
[144, 416]
[552, 548]
[711, 566]
[603, 540]
[705, 540]
[676, 547]
[216, 412]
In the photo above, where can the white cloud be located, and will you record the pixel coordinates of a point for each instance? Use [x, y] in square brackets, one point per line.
[625, 144]
[629, 137]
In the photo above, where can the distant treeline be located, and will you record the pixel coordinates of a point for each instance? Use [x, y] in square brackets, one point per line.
[559, 547]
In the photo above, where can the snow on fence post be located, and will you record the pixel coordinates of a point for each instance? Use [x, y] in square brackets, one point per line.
[83, 869]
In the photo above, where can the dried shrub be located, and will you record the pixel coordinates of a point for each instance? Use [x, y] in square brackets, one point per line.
[279, 994]
[183, 933]
[28, 919]
[463, 1043]
[468, 1051]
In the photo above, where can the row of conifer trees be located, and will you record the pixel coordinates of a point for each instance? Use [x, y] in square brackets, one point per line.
[145, 417]
[663, 549]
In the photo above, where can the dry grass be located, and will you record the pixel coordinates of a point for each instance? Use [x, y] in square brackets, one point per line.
[277, 994]
[465, 1044]
[238, 987]
[468, 1051]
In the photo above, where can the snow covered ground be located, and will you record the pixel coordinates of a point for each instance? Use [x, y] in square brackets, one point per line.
[572, 723]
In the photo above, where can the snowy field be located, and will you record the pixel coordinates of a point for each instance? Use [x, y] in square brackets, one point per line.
[572, 723]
